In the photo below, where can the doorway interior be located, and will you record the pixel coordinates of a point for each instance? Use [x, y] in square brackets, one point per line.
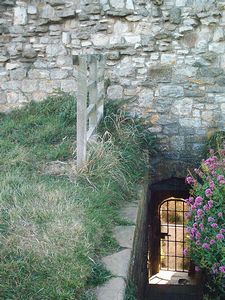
[167, 227]
[170, 272]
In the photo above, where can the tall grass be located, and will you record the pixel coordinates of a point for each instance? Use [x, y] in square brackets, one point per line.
[54, 227]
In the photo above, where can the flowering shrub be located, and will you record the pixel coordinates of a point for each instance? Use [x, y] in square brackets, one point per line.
[206, 219]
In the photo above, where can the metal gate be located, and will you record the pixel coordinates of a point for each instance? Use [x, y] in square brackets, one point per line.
[173, 235]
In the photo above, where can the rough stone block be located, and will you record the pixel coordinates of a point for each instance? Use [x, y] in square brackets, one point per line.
[3, 99]
[217, 47]
[168, 58]
[190, 122]
[55, 50]
[8, 2]
[11, 66]
[69, 85]
[145, 98]
[99, 40]
[66, 39]
[48, 12]
[114, 289]
[120, 27]
[48, 86]
[11, 85]
[130, 4]
[181, 2]
[209, 72]
[58, 74]
[29, 86]
[18, 74]
[132, 39]
[175, 15]
[115, 92]
[29, 52]
[182, 107]
[160, 74]
[64, 61]
[118, 263]
[32, 10]
[171, 91]
[56, 2]
[20, 16]
[177, 143]
[117, 4]
[12, 97]
[38, 74]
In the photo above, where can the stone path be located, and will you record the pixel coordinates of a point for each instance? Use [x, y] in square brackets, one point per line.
[118, 263]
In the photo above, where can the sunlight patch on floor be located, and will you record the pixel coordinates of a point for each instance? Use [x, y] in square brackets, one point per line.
[171, 277]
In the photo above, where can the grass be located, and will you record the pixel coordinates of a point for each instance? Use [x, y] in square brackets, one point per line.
[131, 291]
[54, 227]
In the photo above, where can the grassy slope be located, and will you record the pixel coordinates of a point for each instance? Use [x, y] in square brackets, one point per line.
[53, 229]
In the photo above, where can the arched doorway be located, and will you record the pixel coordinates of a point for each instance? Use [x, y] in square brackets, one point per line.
[167, 217]
[169, 270]
[173, 235]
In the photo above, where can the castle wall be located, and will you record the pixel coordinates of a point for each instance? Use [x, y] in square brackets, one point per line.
[166, 57]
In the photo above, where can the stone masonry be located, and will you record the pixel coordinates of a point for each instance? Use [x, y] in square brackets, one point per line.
[165, 57]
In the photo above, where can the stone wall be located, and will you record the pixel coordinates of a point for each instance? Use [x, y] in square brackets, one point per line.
[166, 57]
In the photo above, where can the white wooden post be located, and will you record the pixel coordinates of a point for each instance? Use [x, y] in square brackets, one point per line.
[82, 112]
[88, 114]
[93, 92]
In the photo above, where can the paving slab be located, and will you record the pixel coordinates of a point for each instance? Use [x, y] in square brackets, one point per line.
[114, 289]
[118, 263]
[129, 212]
[124, 235]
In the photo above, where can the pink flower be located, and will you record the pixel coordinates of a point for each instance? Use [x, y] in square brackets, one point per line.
[208, 193]
[222, 269]
[220, 236]
[200, 212]
[198, 235]
[206, 207]
[220, 214]
[210, 203]
[206, 246]
[220, 177]
[198, 201]
[214, 225]
[201, 226]
[210, 219]
[212, 185]
[212, 242]
[190, 180]
[222, 230]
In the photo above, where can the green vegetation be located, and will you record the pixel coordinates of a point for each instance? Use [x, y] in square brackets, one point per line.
[55, 224]
[131, 291]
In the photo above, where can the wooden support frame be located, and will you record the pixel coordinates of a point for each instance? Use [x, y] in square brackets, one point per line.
[90, 100]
